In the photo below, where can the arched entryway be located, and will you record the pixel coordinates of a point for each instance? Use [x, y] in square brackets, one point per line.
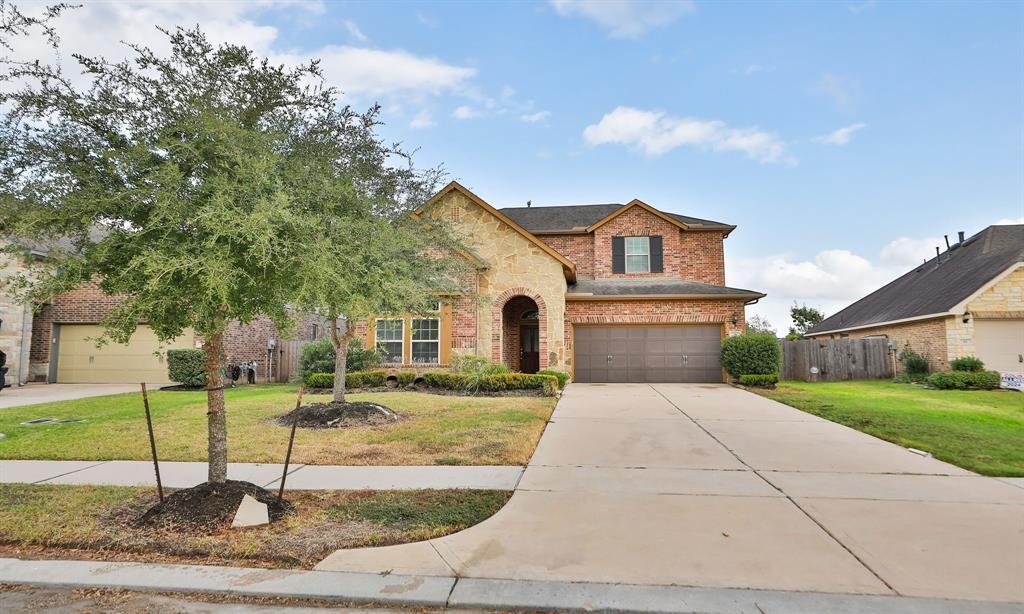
[521, 342]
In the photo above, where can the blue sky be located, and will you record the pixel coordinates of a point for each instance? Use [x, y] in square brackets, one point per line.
[844, 138]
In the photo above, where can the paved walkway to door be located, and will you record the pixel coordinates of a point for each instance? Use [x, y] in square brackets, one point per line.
[707, 485]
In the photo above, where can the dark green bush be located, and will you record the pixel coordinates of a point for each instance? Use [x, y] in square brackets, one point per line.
[910, 378]
[446, 380]
[187, 367]
[967, 363]
[759, 380]
[913, 362]
[751, 353]
[520, 381]
[405, 378]
[561, 376]
[366, 379]
[964, 380]
[319, 356]
[319, 380]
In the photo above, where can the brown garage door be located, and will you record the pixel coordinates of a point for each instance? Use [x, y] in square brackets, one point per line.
[649, 354]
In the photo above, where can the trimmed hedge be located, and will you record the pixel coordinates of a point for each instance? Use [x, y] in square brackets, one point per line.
[751, 353]
[187, 367]
[914, 363]
[759, 380]
[561, 376]
[967, 363]
[441, 379]
[965, 380]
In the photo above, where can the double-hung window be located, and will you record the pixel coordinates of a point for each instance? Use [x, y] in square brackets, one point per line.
[426, 340]
[388, 340]
[638, 255]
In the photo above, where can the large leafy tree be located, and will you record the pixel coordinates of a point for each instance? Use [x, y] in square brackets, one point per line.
[200, 186]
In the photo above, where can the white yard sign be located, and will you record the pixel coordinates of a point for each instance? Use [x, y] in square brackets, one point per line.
[1013, 381]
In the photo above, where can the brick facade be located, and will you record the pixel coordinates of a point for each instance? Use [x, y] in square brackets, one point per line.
[926, 337]
[88, 304]
[694, 255]
[655, 312]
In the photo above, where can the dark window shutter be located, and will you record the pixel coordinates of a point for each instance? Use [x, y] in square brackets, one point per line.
[618, 254]
[657, 265]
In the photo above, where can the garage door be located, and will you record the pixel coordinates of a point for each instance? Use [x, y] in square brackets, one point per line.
[1000, 344]
[647, 354]
[79, 361]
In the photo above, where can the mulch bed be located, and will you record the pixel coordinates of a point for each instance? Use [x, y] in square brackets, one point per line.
[208, 507]
[335, 415]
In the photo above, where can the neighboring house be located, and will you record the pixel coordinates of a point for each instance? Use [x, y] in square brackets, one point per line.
[54, 342]
[967, 301]
[609, 293]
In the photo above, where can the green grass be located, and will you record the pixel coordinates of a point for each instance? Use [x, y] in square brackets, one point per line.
[435, 429]
[982, 431]
[98, 522]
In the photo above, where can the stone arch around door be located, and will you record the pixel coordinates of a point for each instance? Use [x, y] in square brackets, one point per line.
[499, 340]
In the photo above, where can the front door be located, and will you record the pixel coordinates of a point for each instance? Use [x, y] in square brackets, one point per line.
[529, 349]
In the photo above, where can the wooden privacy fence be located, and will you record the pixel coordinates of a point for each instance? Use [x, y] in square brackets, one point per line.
[287, 359]
[836, 359]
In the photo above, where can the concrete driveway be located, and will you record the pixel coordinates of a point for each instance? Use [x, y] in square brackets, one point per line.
[33, 394]
[707, 485]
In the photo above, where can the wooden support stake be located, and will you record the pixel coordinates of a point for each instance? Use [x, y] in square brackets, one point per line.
[152, 442]
[291, 440]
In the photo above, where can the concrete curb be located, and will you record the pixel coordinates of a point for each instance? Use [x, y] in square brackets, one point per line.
[467, 592]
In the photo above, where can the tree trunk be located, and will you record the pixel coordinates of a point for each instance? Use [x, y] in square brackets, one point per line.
[340, 341]
[217, 430]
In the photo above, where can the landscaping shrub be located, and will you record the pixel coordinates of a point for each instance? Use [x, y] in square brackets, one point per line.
[910, 378]
[751, 354]
[445, 379]
[759, 380]
[319, 380]
[319, 356]
[476, 369]
[913, 362]
[442, 379]
[967, 363]
[520, 381]
[186, 367]
[964, 380]
[561, 376]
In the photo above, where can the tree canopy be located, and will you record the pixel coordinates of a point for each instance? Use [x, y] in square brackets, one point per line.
[804, 319]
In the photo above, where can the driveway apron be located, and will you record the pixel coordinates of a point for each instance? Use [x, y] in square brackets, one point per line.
[708, 485]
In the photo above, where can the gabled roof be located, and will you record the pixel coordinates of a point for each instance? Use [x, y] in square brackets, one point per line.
[566, 219]
[568, 266]
[653, 287]
[938, 286]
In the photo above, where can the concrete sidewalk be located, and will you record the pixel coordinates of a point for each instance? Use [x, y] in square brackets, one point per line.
[34, 394]
[445, 592]
[300, 477]
[711, 486]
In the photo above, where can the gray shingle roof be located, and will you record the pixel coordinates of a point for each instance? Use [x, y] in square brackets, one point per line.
[655, 286]
[569, 218]
[937, 285]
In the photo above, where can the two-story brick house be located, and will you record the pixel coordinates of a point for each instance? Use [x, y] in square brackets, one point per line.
[609, 293]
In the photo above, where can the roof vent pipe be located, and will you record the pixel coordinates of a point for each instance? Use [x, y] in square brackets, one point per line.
[528, 203]
[961, 235]
[946, 237]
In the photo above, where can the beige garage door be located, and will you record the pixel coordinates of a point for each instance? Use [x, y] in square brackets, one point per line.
[79, 361]
[1000, 344]
[651, 354]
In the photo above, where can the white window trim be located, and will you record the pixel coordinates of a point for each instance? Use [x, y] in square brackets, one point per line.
[401, 338]
[625, 249]
[437, 341]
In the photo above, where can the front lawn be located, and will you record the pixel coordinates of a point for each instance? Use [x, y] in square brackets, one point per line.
[97, 522]
[982, 431]
[434, 429]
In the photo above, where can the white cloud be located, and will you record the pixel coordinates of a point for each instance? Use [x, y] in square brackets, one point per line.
[860, 7]
[845, 92]
[840, 136]
[533, 118]
[1010, 221]
[905, 252]
[626, 18]
[97, 29]
[754, 69]
[355, 32]
[656, 133]
[423, 119]
[465, 112]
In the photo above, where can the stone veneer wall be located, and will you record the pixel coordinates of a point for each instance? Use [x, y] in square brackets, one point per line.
[515, 264]
[926, 337]
[655, 312]
[1005, 300]
[15, 327]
